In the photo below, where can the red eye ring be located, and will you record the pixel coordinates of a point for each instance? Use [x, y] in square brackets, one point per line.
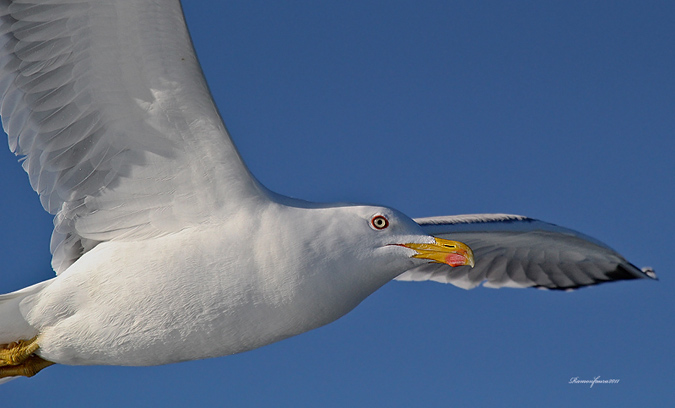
[379, 222]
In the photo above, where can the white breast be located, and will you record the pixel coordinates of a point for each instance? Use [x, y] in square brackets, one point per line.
[196, 294]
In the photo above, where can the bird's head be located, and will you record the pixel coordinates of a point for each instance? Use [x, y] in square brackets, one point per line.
[382, 242]
[397, 230]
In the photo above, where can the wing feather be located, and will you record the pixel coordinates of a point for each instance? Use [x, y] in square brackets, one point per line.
[516, 251]
[105, 102]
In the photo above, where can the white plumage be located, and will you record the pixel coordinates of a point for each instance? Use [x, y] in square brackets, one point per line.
[166, 247]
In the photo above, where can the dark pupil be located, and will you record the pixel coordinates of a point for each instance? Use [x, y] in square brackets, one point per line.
[379, 222]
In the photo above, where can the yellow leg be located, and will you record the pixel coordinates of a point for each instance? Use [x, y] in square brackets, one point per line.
[17, 359]
[30, 366]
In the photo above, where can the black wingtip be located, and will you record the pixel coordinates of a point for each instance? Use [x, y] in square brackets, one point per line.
[639, 273]
[629, 271]
[626, 271]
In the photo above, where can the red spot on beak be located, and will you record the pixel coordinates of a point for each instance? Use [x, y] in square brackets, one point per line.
[455, 260]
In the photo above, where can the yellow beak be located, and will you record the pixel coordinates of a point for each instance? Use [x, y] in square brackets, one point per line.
[453, 253]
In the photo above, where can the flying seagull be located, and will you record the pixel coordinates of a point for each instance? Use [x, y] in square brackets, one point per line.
[165, 247]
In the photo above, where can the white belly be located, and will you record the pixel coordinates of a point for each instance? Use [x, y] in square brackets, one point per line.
[178, 298]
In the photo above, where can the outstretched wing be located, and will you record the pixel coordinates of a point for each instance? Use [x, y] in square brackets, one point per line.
[516, 251]
[106, 102]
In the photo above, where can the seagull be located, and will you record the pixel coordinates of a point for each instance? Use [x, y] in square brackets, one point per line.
[165, 247]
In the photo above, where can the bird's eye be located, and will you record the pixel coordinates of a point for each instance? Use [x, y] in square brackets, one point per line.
[379, 222]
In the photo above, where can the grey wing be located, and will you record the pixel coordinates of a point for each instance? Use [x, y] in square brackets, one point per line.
[520, 252]
[106, 103]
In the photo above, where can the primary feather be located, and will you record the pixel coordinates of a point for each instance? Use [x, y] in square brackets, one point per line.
[518, 251]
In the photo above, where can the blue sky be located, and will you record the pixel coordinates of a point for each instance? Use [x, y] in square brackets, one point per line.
[561, 110]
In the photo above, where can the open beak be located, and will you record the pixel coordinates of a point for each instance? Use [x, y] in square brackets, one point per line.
[453, 253]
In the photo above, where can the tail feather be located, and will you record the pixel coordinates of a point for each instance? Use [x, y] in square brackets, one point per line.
[13, 326]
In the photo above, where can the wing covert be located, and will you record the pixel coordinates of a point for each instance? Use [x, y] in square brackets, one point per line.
[106, 103]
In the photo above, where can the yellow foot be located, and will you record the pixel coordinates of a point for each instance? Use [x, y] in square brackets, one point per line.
[15, 353]
[30, 366]
[18, 359]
